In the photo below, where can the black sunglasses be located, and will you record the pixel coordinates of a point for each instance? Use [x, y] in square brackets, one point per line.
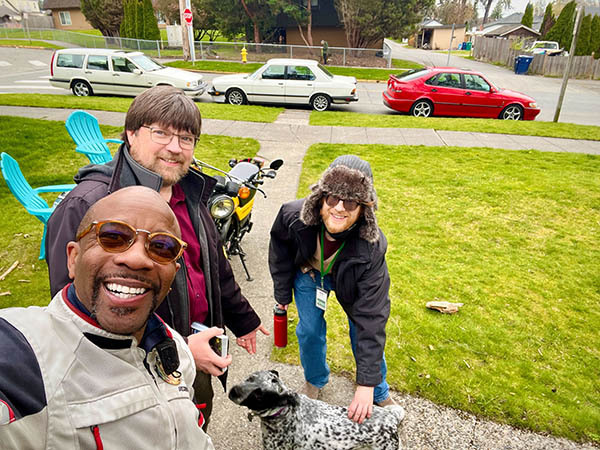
[115, 236]
[349, 205]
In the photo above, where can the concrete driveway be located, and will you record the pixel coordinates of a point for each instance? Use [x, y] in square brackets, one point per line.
[582, 98]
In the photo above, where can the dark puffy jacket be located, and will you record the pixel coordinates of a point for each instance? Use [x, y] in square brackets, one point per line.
[359, 276]
[226, 304]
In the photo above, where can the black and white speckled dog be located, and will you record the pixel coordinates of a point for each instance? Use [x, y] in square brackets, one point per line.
[291, 421]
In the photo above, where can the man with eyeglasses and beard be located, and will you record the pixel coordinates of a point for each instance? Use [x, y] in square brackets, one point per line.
[97, 368]
[162, 126]
[330, 241]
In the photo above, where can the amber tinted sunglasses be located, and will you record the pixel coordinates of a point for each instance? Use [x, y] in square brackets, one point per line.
[115, 236]
[349, 205]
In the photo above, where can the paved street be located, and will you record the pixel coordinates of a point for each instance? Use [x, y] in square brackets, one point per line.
[582, 98]
[27, 71]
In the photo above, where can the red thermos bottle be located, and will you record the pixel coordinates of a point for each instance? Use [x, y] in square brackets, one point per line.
[279, 326]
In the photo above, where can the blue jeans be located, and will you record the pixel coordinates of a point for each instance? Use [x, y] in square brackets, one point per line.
[312, 334]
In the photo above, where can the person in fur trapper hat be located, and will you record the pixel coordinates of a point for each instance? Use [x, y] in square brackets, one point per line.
[330, 241]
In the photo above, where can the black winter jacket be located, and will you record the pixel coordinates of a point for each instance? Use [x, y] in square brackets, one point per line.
[359, 276]
[226, 304]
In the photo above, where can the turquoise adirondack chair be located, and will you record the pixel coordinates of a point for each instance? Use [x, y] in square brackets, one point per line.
[85, 131]
[28, 196]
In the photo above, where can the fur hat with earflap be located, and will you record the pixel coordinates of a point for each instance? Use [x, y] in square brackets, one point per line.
[350, 178]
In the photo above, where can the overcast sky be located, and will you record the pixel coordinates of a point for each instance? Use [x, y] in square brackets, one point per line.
[516, 6]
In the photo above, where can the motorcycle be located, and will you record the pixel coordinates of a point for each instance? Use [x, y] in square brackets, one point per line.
[232, 200]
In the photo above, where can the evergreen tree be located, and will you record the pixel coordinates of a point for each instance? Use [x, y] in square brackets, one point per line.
[124, 27]
[527, 19]
[128, 25]
[151, 31]
[562, 31]
[104, 15]
[139, 20]
[583, 40]
[595, 37]
[548, 21]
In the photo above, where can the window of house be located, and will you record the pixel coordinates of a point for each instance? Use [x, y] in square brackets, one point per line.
[65, 17]
[97, 62]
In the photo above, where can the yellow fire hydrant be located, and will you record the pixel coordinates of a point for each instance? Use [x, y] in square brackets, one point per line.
[244, 55]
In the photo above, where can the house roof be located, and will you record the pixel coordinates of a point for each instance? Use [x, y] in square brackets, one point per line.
[434, 24]
[504, 30]
[62, 4]
[430, 23]
[514, 19]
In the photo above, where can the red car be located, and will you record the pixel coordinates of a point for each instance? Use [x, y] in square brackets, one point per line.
[446, 91]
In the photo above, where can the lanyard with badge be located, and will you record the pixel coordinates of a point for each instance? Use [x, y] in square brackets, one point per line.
[322, 294]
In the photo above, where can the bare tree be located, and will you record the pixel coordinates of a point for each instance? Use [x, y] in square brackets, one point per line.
[504, 4]
[299, 13]
[454, 11]
[368, 22]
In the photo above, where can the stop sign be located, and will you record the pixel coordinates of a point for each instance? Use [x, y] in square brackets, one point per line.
[187, 16]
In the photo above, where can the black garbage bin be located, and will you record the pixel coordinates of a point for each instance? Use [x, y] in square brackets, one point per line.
[522, 63]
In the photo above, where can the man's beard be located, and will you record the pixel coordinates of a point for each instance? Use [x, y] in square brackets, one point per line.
[121, 311]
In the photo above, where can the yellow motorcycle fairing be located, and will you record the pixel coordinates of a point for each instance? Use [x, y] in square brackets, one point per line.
[242, 212]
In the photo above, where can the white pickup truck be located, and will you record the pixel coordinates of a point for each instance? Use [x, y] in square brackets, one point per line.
[550, 48]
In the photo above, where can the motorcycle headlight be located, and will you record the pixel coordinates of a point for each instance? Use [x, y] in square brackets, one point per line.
[221, 207]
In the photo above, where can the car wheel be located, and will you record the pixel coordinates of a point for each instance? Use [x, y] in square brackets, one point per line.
[235, 97]
[81, 89]
[422, 108]
[320, 102]
[512, 112]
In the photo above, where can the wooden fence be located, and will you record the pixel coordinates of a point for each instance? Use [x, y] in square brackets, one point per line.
[499, 51]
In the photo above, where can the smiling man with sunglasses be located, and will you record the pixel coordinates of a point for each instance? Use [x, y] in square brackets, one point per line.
[330, 241]
[98, 368]
[162, 126]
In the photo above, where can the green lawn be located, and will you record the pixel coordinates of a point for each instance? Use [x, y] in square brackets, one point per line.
[404, 64]
[249, 113]
[513, 236]
[26, 43]
[361, 73]
[521, 127]
[46, 155]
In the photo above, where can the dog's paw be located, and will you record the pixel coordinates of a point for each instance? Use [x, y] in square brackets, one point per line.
[397, 410]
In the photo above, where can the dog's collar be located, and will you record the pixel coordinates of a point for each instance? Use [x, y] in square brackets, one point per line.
[267, 413]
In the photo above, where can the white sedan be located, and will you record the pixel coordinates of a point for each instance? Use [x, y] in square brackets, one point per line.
[286, 80]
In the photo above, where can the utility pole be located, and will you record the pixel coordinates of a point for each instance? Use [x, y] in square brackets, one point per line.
[450, 47]
[185, 41]
[563, 87]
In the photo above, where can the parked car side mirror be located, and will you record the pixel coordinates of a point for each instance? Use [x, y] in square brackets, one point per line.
[137, 71]
[493, 90]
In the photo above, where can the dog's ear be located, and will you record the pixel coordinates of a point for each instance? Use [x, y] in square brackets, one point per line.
[274, 372]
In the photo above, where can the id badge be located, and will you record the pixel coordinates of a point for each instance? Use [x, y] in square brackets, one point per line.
[321, 301]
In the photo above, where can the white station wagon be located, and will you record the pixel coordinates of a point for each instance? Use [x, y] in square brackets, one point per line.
[89, 71]
[286, 80]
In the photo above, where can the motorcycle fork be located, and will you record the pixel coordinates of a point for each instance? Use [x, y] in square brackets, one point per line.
[243, 215]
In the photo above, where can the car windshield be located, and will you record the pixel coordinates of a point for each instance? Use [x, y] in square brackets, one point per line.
[325, 71]
[412, 74]
[146, 63]
[546, 45]
[253, 74]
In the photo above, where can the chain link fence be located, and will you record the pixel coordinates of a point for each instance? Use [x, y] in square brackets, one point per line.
[224, 51]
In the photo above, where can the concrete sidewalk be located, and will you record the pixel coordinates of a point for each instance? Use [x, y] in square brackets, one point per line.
[427, 426]
[297, 131]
